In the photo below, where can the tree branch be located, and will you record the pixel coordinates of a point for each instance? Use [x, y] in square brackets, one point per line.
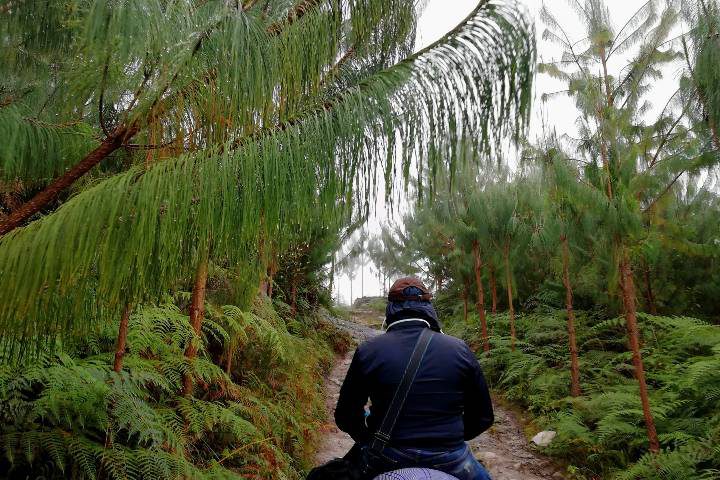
[334, 69]
[665, 191]
[293, 15]
[51, 192]
[665, 139]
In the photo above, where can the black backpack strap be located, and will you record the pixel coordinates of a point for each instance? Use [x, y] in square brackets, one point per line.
[382, 436]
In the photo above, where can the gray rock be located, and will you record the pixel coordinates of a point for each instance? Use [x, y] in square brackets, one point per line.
[543, 439]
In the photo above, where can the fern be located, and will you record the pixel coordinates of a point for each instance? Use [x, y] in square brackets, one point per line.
[602, 432]
[71, 416]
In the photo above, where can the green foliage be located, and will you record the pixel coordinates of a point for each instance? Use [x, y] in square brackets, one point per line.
[68, 415]
[602, 432]
[266, 134]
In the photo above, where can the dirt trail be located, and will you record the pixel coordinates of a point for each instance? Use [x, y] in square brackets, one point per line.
[504, 450]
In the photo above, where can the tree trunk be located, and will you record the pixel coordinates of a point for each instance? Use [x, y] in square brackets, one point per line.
[121, 343]
[480, 296]
[19, 216]
[628, 296]
[572, 341]
[508, 281]
[493, 288]
[649, 295]
[197, 313]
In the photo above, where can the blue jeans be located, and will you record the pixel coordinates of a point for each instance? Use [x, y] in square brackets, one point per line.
[459, 462]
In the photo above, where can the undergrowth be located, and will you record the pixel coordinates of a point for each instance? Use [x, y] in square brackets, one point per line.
[253, 415]
[602, 433]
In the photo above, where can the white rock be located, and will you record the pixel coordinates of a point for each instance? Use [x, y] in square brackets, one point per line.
[543, 439]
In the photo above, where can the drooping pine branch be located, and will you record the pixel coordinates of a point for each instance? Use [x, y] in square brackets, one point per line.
[19, 216]
[127, 238]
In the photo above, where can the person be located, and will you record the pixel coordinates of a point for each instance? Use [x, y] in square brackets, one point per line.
[448, 403]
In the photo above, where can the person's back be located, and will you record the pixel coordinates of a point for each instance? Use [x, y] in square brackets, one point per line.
[448, 403]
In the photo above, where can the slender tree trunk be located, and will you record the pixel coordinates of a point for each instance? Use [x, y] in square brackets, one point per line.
[480, 296]
[508, 281]
[197, 313]
[332, 273]
[572, 340]
[714, 134]
[493, 288]
[57, 186]
[649, 295]
[121, 343]
[628, 294]
[604, 154]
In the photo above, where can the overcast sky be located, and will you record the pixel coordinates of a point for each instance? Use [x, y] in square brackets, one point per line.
[441, 16]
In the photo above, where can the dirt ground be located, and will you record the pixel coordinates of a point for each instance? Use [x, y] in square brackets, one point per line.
[504, 449]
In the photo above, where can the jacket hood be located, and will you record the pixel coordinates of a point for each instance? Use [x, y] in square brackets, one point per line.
[412, 309]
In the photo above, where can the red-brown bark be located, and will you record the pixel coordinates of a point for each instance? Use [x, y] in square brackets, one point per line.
[508, 281]
[628, 296]
[480, 296]
[19, 216]
[197, 313]
[296, 13]
[575, 390]
[493, 288]
[121, 343]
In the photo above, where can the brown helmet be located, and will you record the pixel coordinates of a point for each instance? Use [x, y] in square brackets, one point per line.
[396, 293]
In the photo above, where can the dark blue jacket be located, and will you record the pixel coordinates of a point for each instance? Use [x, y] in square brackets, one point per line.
[448, 403]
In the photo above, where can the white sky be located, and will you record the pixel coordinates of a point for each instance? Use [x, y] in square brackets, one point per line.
[439, 17]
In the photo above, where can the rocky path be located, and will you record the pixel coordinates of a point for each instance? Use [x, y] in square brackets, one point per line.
[504, 450]
[336, 443]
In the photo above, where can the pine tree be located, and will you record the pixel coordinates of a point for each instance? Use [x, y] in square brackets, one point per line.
[637, 164]
[567, 220]
[701, 54]
[211, 116]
